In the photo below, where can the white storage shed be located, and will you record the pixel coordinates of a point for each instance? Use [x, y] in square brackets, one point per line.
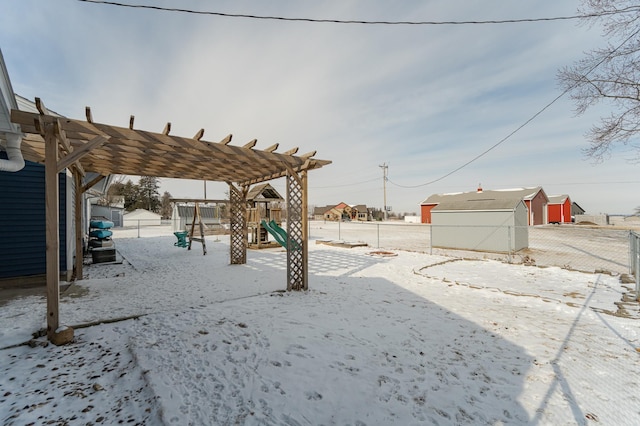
[494, 225]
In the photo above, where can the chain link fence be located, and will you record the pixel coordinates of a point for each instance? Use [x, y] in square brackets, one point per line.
[156, 228]
[575, 247]
[634, 260]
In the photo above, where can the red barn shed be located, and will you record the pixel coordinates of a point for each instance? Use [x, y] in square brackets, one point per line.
[559, 209]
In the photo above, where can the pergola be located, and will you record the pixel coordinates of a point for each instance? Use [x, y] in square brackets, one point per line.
[86, 146]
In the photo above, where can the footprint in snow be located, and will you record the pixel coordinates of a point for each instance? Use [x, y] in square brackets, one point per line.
[313, 396]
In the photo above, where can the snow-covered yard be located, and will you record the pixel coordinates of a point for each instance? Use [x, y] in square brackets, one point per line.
[406, 339]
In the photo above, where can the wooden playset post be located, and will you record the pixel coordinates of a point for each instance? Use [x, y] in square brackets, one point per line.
[197, 217]
[297, 254]
[238, 224]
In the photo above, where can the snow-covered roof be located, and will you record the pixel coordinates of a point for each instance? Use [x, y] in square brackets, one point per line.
[486, 204]
[140, 214]
[558, 199]
[499, 194]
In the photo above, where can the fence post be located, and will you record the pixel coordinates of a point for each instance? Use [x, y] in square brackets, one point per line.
[631, 252]
[378, 225]
[637, 266]
[431, 238]
[633, 249]
[138, 228]
[509, 244]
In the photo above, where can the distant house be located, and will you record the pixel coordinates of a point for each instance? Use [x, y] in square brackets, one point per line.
[327, 213]
[535, 201]
[361, 213]
[484, 224]
[576, 209]
[343, 211]
[559, 209]
[99, 208]
[141, 217]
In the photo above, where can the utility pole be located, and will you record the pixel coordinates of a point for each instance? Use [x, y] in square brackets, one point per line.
[384, 168]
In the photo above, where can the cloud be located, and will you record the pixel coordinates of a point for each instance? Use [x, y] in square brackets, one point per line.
[424, 99]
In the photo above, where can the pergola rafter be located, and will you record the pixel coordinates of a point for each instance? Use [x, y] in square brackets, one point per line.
[87, 146]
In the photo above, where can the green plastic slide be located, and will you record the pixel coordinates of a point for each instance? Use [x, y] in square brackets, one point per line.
[278, 233]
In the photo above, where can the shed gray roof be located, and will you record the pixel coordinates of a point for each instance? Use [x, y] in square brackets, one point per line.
[501, 194]
[557, 199]
[481, 204]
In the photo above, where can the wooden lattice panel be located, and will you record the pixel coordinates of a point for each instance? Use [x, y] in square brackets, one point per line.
[296, 265]
[237, 210]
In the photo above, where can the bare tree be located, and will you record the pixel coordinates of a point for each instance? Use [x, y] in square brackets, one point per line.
[609, 74]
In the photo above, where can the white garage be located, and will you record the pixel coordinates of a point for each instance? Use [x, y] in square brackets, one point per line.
[141, 217]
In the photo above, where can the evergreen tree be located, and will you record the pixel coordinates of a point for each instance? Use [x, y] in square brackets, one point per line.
[165, 206]
[148, 195]
[130, 192]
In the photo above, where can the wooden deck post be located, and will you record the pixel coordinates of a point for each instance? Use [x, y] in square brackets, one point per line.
[52, 215]
[78, 223]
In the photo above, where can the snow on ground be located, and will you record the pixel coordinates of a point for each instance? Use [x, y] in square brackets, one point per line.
[408, 339]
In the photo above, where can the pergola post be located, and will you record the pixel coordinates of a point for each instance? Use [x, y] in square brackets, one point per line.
[297, 250]
[238, 224]
[77, 177]
[52, 203]
[60, 143]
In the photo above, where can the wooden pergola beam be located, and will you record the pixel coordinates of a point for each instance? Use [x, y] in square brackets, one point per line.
[272, 148]
[91, 183]
[77, 154]
[60, 142]
[254, 163]
[250, 144]
[199, 135]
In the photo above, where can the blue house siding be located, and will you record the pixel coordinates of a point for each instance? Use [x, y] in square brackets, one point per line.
[22, 222]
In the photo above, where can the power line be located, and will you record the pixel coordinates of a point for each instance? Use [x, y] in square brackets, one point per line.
[362, 22]
[344, 185]
[533, 117]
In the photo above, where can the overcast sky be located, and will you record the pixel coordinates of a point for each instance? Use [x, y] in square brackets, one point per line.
[422, 99]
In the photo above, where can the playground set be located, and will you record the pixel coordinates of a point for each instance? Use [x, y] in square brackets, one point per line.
[84, 146]
[264, 217]
[185, 232]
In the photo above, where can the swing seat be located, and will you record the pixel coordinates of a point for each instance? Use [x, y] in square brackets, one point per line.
[182, 239]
